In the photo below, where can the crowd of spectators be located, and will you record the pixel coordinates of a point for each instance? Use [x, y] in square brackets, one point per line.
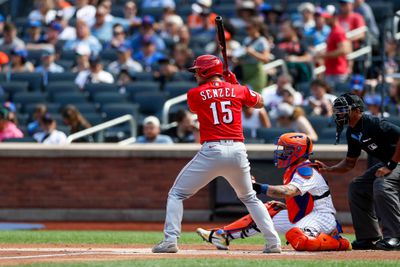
[156, 37]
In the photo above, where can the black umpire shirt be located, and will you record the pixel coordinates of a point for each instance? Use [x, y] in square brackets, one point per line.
[375, 136]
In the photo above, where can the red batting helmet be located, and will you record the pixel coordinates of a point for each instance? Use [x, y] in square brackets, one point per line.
[207, 66]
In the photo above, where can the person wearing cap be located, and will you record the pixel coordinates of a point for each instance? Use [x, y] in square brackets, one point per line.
[291, 117]
[124, 61]
[43, 11]
[151, 132]
[171, 25]
[350, 20]
[373, 103]
[33, 34]
[82, 53]
[307, 10]
[338, 46]
[147, 32]
[8, 129]
[321, 101]
[49, 134]
[84, 11]
[148, 54]
[102, 29]
[357, 85]
[19, 61]
[246, 10]
[200, 9]
[319, 33]
[83, 36]
[374, 198]
[4, 59]
[2, 21]
[48, 64]
[10, 39]
[95, 74]
[272, 15]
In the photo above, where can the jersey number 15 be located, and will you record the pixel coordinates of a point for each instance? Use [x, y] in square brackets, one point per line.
[225, 111]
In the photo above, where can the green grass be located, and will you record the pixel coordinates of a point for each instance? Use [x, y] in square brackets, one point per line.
[106, 237]
[218, 263]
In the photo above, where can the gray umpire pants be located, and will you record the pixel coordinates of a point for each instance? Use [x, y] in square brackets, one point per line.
[373, 200]
[222, 158]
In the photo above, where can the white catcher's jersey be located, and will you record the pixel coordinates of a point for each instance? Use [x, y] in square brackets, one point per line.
[316, 186]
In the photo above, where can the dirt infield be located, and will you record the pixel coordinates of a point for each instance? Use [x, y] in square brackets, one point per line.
[27, 254]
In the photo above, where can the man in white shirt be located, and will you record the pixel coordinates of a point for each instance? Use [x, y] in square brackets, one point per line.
[124, 61]
[50, 135]
[95, 74]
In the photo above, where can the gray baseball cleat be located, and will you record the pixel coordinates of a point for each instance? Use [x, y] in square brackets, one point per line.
[165, 247]
[218, 240]
[273, 249]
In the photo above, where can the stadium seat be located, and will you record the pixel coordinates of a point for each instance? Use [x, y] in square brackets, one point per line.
[61, 87]
[143, 76]
[69, 98]
[35, 56]
[63, 128]
[86, 107]
[319, 123]
[102, 98]
[303, 88]
[225, 10]
[23, 119]
[65, 63]
[382, 10]
[247, 132]
[394, 119]
[20, 140]
[93, 118]
[24, 98]
[151, 103]
[68, 54]
[328, 136]
[156, 12]
[113, 111]
[342, 88]
[100, 87]
[271, 135]
[178, 88]
[183, 76]
[63, 76]
[4, 97]
[141, 86]
[3, 77]
[53, 108]
[109, 55]
[13, 87]
[34, 79]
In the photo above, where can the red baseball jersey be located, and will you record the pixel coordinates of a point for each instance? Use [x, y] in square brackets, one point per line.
[218, 105]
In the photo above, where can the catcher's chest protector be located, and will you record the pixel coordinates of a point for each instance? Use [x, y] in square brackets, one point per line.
[299, 206]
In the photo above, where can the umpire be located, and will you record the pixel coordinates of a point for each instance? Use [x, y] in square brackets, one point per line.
[374, 194]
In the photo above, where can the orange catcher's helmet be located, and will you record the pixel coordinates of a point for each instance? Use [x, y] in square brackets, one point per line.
[291, 147]
[207, 66]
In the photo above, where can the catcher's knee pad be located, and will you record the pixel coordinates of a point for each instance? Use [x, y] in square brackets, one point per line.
[331, 243]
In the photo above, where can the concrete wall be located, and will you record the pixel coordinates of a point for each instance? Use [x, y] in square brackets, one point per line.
[110, 182]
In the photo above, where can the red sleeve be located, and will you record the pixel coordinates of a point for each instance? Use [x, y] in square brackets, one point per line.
[358, 21]
[340, 37]
[191, 101]
[251, 98]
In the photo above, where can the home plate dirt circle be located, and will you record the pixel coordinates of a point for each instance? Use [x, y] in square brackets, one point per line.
[27, 254]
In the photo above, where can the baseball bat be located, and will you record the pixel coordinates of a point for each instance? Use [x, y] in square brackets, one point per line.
[221, 40]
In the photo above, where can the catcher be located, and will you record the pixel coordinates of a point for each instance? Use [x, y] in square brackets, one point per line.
[307, 219]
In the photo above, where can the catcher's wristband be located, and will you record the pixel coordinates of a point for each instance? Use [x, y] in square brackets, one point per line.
[391, 165]
[264, 188]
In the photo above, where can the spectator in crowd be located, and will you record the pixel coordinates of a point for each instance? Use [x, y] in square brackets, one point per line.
[321, 101]
[119, 37]
[2, 22]
[338, 46]
[252, 56]
[124, 61]
[148, 54]
[272, 15]
[124, 78]
[48, 64]
[12, 112]
[393, 98]
[61, 28]
[147, 32]
[38, 114]
[272, 97]
[206, 31]
[246, 12]
[76, 122]
[294, 118]
[357, 85]
[107, 6]
[182, 56]
[307, 10]
[319, 33]
[10, 39]
[52, 33]
[167, 71]
[184, 35]
[49, 134]
[362, 8]
[8, 129]
[295, 53]
[95, 74]
[102, 29]
[170, 33]
[151, 132]
[186, 130]
[349, 20]
[4, 59]
[200, 9]
[130, 14]
[83, 36]
[391, 60]
[34, 34]
[231, 45]
[374, 103]
[84, 11]
[62, 4]
[82, 58]
[44, 11]
[254, 119]
[158, 3]
[19, 61]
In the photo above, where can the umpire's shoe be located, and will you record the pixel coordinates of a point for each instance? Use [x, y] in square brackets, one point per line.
[364, 244]
[218, 240]
[165, 247]
[388, 244]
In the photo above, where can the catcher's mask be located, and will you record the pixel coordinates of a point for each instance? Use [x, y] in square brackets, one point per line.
[290, 147]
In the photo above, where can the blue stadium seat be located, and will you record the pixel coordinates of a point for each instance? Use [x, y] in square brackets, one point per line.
[225, 10]
[92, 88]
[13, 87]
[109, 55]
[63, 76]
[178, 88]
[303, 88]
[143, 76]
[342, 88]
[183, 76]
[34, 79]
[93, 118]
[3, 77]
[141, 86]
[4, 97]
[151, 103]
[35, 56]
[86, 107]
[20, 140]
[320, 123]
[65, 63]
[69, 98]
[22, 99]
[102, 98]
[53, 108]
[156, 12]
[328, 136]
[113, 111]
[271, 135]
[61, 87]
[68, 54]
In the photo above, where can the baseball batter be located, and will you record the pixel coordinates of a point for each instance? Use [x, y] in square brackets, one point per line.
[218, 105]
[307, 219]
